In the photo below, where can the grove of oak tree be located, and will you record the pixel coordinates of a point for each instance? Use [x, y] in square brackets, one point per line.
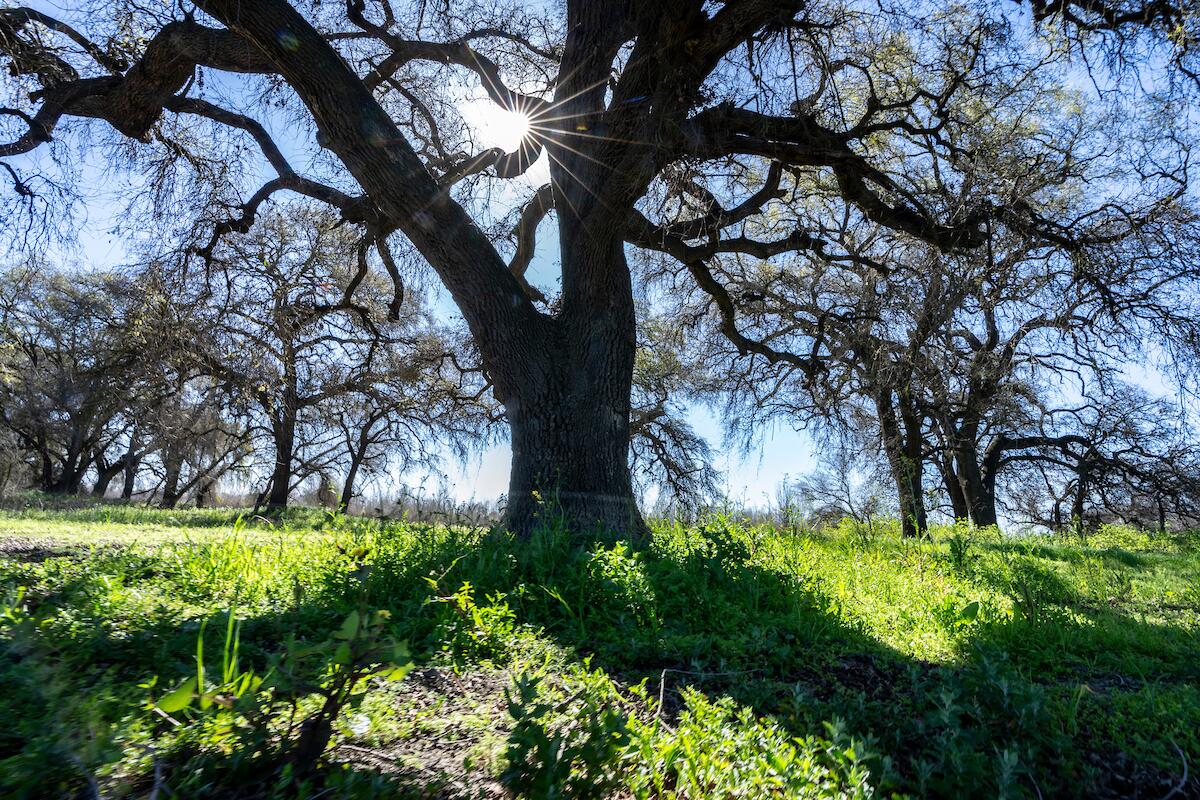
[644, 111]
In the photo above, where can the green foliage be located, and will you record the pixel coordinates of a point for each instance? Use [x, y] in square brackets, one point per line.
[718, 749]
[804, 663]
[470, 632]
[555, 756]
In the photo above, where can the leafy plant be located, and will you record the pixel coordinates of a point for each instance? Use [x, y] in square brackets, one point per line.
[960, 550]
[251, 706]
[556, 755]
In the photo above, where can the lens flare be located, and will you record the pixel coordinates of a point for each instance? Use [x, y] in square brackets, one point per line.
[507, 129]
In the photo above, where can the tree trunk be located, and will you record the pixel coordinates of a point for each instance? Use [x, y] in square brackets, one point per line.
[206, 492]
[904, 458]
[173, 464]
[954, 489]
[914, 459]
[351, 476]
[104, 477]
[570, 429]
[571, 464]
[1081, 490]
[46, 474]
[75, 465]
[979, 486]
[357, 456]
[284, 434]
[70, 479]
[131, 471]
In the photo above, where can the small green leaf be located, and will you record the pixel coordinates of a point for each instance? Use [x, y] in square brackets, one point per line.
[970, 611]
[178, 699]
[349, 627]
[396, 673]
[342, 654]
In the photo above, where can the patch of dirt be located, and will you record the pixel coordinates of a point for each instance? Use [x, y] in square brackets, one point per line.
[456, 718]
[878, 679]
[1123, 778]
[31, 549]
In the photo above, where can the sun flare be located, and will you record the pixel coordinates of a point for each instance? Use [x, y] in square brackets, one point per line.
[499, 127]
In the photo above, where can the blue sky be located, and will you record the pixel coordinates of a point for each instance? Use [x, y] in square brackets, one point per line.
[750, 477]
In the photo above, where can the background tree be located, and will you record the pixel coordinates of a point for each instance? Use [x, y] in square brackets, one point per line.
[935, 347]
[72, 360]
[421, 405]
[271, 323]
[666, 453]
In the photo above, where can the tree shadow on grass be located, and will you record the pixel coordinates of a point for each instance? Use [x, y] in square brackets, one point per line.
[698, 610]
[702, 613]
[1058, 633]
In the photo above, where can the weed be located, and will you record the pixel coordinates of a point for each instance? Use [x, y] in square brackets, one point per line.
[566, 749]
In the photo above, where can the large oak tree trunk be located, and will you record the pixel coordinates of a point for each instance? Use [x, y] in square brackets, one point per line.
[570, 429]
[570, 460]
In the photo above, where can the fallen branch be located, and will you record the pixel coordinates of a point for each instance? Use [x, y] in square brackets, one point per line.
[1183, 780]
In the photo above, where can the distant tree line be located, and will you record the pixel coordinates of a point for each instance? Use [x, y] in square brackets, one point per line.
[170, 380]
[155, 382]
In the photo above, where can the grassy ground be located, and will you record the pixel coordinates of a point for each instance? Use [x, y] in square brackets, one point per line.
[722, 660]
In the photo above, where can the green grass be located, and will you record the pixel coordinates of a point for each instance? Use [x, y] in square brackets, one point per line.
[725, 660]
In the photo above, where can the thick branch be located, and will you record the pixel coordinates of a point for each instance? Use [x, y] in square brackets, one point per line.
[801, 141]
[364, 137]
[526, 235]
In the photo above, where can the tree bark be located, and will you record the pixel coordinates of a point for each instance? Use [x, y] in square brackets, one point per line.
[570, 464]
[1081, 489]
[357, 456]
[204, 494]
[284, 435]
[46, 473]
[954, 489]
[351, 477]
[903, 450]
[70, 479]
[131, 471]
[104, 477]
[570, 428]
[978, 485]
[173, 465]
